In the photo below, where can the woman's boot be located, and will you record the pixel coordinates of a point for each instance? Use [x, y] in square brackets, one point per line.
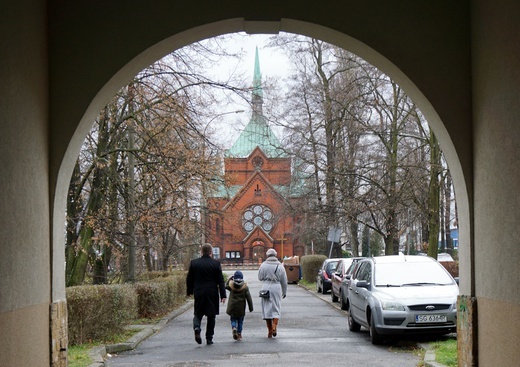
[269, 323]
[275, 324]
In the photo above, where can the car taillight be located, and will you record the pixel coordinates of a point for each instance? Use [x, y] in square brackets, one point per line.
[326, 276]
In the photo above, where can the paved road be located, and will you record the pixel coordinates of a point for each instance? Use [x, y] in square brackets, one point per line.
[311, 332]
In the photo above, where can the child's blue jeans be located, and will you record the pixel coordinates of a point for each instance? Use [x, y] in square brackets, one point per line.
[238, 323]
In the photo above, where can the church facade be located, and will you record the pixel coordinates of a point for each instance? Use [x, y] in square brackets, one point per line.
[255, 207]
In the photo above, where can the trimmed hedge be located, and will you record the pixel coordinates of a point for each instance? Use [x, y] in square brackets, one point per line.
[97, 312]
[310, 264]
[160, 295]
[151, 275]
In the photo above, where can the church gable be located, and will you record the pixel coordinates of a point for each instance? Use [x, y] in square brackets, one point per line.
[257, 159]
[256, 190]
[277, 171]
[259, 234]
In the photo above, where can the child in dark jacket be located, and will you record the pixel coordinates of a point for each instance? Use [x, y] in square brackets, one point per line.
[239, 295]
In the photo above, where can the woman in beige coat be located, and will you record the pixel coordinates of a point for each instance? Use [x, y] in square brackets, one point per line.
[273, 277]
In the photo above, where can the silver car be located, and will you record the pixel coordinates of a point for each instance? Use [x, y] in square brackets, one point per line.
[400, 295]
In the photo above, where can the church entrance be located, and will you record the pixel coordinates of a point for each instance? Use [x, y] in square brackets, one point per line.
[258, 252]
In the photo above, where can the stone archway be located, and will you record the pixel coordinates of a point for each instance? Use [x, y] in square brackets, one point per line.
[204, 30]
[63, 60]
[154, 52]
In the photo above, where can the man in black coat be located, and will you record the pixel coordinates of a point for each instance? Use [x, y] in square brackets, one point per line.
[206, 282]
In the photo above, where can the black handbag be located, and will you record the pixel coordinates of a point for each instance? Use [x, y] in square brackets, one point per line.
[264, 293]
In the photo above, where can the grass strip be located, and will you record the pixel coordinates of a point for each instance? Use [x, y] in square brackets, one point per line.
[446, 352]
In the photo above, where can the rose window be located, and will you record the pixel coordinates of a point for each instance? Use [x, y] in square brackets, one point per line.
[257, 215]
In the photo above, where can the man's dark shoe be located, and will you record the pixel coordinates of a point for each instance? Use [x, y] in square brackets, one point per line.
[209, 341]
[197, 336]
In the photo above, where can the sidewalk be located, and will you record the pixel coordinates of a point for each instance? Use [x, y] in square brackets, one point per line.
[100, 353]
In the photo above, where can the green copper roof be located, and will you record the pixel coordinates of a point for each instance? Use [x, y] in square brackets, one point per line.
[230, 191]
[257, 133]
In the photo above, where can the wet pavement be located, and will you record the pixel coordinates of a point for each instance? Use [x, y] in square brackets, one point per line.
[311, 332]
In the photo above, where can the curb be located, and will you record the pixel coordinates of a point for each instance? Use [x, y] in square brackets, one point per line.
[429, 356]
[99, 353]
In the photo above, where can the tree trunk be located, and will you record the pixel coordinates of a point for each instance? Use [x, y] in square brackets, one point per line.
[74, 207]
[447, 214]
[365, 242]
[85, 251]
[130, 193]
[434, 197]
[354, 240]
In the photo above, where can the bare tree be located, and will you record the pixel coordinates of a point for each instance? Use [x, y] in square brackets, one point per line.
[136, 187]
[362, 144]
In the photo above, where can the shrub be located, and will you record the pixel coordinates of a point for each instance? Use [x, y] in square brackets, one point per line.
[150, 275]
[160, 295]
[96, 312]
[310, 264]
[452, 267]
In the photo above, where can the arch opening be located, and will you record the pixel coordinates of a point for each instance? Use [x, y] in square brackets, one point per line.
[346, 42]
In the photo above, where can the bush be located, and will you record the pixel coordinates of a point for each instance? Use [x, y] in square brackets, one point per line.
[160, 295]
[452, 267]
[310, 264]
[150, 275]
[96, 312]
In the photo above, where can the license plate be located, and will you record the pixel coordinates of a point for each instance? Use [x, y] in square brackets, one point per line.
[430, 318]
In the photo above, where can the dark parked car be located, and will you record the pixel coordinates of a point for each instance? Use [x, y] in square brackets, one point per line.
[324, 274]
[400, 295]
[339, 275]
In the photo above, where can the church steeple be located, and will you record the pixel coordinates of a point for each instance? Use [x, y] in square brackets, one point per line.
[257, 95]
[256, 133]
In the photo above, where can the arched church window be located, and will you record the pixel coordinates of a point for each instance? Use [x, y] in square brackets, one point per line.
[258, 215]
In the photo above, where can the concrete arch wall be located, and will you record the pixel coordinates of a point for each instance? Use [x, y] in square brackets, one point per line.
[154, 52]
[62, 60]
[373, 42]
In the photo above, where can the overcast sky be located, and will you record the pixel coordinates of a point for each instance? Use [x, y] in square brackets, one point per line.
[273, 63]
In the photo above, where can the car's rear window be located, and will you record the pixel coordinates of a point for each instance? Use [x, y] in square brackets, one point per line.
[332, 265]
[411, 273]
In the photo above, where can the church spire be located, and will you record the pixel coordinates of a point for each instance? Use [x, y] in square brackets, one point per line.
[257, 97]
[256, 133]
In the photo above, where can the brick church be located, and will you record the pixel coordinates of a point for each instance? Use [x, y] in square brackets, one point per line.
[254, 209]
